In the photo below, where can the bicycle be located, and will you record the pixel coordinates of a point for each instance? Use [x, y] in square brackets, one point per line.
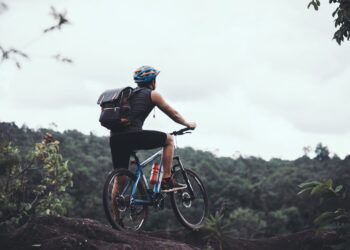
[127, 208]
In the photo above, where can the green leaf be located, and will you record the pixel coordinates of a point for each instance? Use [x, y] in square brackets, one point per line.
[318, 189]
[304, 190]
[309, 184]
[340, 217]
[27, 206]
[339, 211]
[338, 188]
[329, 184]
[324, 218]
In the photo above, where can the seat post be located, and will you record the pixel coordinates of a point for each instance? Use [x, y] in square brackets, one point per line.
[133, 154]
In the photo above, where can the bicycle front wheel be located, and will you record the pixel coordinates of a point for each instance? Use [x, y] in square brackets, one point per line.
[190, 205]
[117, 192]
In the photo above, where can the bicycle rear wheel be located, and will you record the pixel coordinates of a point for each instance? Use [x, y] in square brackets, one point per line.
[191, 212]
[116, 201]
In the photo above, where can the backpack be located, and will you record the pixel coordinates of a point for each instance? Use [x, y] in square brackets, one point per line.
[115, 108]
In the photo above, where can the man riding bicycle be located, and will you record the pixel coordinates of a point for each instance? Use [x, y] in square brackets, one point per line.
[133, 137]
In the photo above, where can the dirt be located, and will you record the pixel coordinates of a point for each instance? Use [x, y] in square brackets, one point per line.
[305, 240]
[52, 232]
[63, 233]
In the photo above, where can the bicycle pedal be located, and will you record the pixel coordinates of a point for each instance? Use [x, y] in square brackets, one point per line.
[158, 200]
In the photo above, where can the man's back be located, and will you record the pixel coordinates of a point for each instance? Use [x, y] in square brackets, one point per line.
[141, 105]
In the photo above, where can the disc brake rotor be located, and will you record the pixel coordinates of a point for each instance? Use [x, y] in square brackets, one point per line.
[186, 200]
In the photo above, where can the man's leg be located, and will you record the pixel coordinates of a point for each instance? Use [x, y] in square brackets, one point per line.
[168, 153]
[148, 139]
[120, 159]
[118, 186]
[168, 184]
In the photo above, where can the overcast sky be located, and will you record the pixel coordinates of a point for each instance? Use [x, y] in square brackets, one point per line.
[261, 78]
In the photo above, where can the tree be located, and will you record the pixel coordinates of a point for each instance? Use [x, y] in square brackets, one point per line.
[34, 184]
[218, 229]
[335, 201]
[256, 202]
[341, 18]
[14, 54]
[322, 152]
[306, 150]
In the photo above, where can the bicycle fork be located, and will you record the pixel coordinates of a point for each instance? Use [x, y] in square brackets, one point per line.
[184, 175]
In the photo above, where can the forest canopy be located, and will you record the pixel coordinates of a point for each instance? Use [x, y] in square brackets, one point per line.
[255, 197]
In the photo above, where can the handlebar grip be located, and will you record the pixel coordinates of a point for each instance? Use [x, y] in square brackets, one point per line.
[185, 129]
[181, 131]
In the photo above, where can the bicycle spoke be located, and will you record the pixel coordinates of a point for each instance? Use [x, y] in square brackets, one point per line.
[119, 211]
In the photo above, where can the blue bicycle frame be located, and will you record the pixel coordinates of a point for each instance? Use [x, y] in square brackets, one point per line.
[139, 174]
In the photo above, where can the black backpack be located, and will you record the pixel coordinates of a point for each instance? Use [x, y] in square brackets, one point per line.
[115, 108]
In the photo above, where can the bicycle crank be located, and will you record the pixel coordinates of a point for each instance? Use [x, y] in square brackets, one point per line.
[158, 201]
[122, 202]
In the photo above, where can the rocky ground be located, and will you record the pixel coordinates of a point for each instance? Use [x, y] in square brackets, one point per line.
[63, 233]
[70, 233]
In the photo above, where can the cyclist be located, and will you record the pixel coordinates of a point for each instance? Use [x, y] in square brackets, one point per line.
[133, 137]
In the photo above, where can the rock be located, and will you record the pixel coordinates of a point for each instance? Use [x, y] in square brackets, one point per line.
[309, 239]
[61, 233]
[53, 232]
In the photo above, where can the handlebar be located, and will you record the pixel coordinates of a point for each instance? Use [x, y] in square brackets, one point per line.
[182, 131]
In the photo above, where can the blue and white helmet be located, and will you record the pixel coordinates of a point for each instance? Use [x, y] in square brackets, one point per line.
[145, 74]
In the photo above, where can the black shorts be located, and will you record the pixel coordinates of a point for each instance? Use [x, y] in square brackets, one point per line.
[123, 144]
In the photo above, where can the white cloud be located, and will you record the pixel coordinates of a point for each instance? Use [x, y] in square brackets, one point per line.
[260, 77]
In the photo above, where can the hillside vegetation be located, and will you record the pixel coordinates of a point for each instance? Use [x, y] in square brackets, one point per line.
[249, 197]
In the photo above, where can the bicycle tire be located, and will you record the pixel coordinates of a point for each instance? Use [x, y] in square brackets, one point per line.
[123, 207]
[183, 208]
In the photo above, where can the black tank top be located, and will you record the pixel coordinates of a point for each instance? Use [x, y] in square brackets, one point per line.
[141, 105]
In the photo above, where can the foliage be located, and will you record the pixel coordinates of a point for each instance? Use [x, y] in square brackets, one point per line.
[285, 220]
[322, 152]
[319, 188]
[247, 223]
[7, 54]
[218, 229]
[33, 184]
[338, 218]
[342, 18]
[257, 198]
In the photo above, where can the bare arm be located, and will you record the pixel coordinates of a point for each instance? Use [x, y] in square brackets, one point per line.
[159, 101]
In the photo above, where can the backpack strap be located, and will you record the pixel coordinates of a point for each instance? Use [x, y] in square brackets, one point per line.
[135, 90]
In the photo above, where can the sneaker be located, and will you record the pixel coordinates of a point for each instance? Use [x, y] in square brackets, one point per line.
[171, 186]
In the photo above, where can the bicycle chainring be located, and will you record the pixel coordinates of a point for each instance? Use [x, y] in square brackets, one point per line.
[123, 202]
